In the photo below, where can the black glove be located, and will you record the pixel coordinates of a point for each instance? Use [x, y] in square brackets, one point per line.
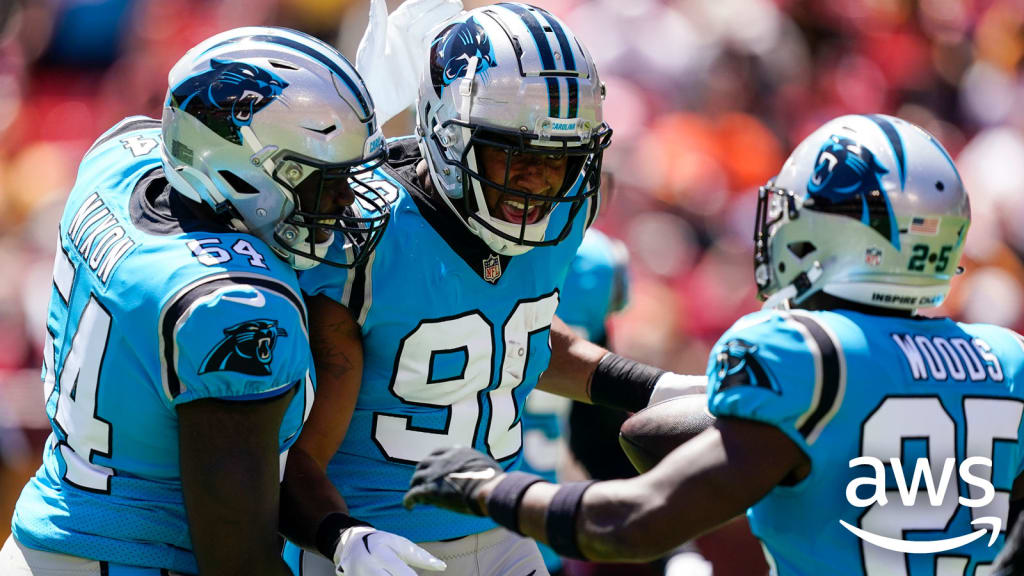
[450, 478]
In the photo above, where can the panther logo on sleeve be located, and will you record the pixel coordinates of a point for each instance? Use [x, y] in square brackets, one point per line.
[227, 96]
[736, 364]
[247, 347]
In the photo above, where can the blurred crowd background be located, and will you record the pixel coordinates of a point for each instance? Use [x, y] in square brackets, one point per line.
[706, 98]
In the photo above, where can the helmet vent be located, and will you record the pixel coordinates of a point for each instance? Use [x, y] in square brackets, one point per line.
[324, 131]
[236, 182]
[282, 64]
[801, 249]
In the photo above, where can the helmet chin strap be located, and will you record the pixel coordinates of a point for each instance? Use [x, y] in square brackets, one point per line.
[798, 287]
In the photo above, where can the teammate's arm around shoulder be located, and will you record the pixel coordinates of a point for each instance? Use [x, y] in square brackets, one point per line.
[313, 513]
[307, 495]
[229, 474]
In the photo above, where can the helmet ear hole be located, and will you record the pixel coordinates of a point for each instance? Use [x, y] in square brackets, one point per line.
[801, 249]
[237, 182]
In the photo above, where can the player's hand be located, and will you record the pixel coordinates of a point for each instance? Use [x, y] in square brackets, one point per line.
[365, 551]
[451, 478]
[394, 50]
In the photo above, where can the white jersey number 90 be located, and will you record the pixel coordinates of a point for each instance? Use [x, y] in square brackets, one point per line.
[470, 334]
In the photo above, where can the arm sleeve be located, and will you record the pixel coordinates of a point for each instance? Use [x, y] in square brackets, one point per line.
[782, 369]
[236, 341]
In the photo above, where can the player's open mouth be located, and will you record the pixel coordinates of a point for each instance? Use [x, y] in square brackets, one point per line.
[515, 211]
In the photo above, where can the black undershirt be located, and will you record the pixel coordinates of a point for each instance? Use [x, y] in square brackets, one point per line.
[155, 208]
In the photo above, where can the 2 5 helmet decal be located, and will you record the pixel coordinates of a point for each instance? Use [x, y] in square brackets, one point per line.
[846, 172]
[227, 96]
[247, 347]
[452, 50]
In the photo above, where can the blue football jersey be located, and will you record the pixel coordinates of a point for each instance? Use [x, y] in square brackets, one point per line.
[150, 309]
[454, 338]
[912, 427]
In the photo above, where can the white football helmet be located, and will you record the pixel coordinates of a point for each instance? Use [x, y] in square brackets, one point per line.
[870, 209]
[269, 126]
[513, 77]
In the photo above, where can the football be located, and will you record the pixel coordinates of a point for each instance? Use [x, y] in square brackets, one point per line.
[647, 436]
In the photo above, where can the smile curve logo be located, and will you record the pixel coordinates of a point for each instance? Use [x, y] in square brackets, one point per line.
[929, 547]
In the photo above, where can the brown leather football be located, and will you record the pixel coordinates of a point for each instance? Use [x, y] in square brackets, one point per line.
[649, 435]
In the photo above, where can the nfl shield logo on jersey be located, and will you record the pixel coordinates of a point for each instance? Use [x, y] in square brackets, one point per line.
[492, 268]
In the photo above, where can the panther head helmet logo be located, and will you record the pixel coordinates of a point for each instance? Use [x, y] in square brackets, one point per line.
[247, 347]
[847, 180]
[227, 96]
[454, 47]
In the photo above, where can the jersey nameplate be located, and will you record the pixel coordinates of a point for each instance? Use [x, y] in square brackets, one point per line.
[941, 358]
[98, 237]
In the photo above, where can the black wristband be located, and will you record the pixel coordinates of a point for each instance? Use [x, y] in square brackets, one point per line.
[329, 531]
[561, 519]
[623, 383]
[503, 501]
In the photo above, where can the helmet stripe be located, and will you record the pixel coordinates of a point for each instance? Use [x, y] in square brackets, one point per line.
[547, 57]
[896, 142]
[568, 59]
[563, 40]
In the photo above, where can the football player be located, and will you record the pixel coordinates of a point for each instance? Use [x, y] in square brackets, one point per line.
[829, 410]
[177, 369]
[438, 337]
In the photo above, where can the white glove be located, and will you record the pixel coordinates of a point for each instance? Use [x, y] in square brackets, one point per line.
[670, 385]
[395, 48]
[365, 551]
